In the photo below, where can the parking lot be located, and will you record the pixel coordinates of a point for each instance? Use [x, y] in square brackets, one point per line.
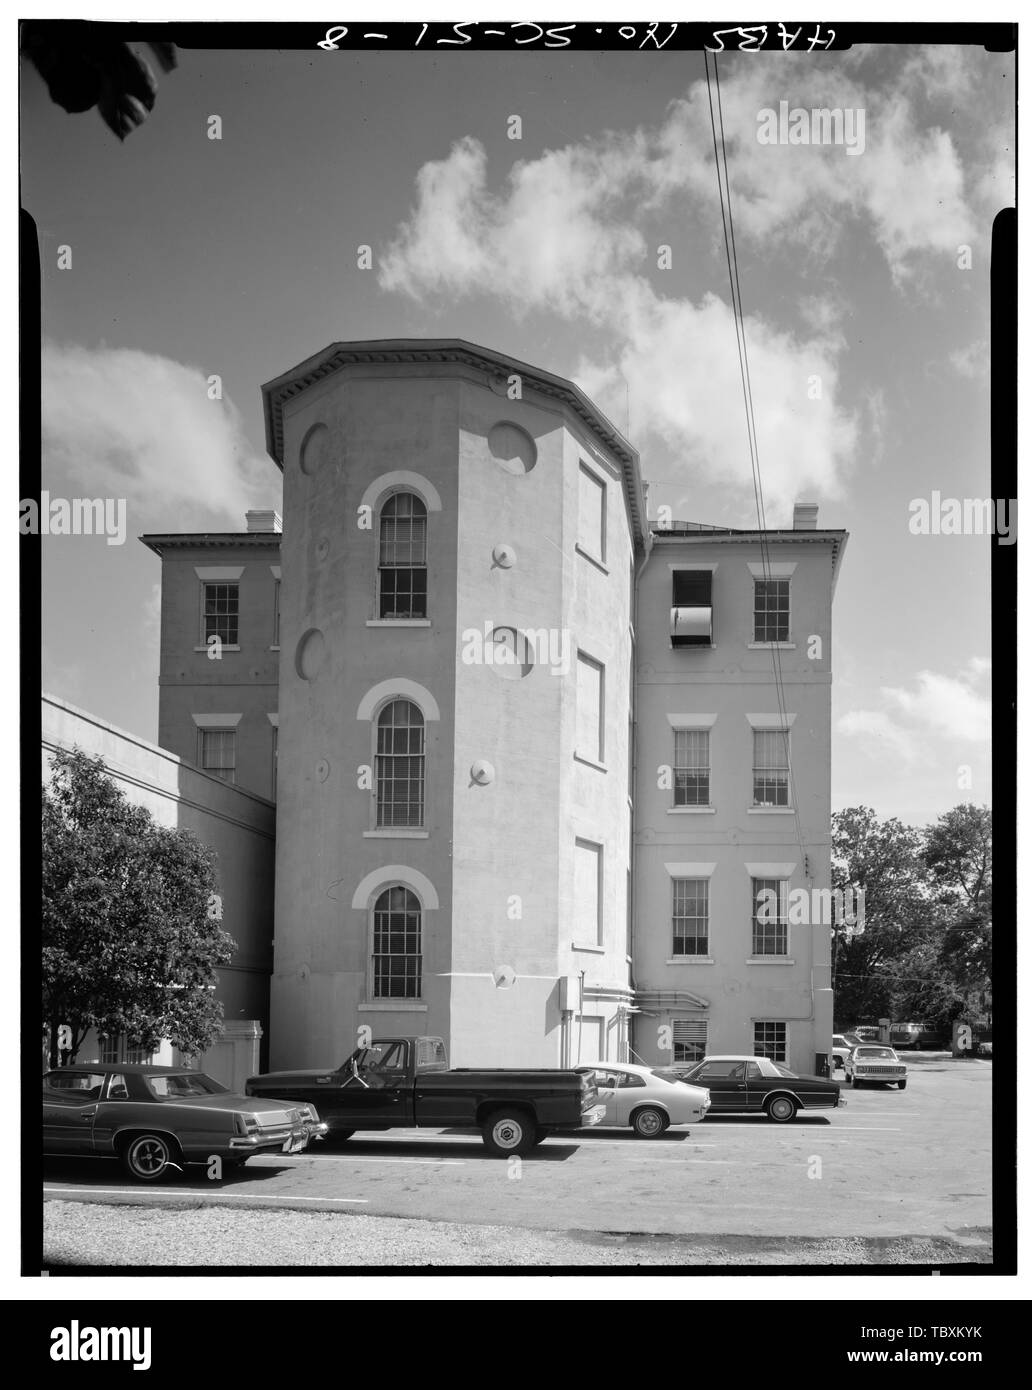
[913, 1165]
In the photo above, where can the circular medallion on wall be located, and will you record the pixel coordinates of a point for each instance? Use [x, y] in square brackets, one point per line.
[509, 654]
[315, 450]
[511, 448]
[322, 769]
[310, 655]
[322, 549]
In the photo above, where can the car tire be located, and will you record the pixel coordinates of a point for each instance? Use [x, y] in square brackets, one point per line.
[149, 1157]
[509, 1131]
[649, 1122]
[782, 1109]
[902, 1085]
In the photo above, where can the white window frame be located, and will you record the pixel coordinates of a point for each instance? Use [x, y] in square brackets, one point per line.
[597, 756]
[582, 547]
[777, 1023]
[582, 842]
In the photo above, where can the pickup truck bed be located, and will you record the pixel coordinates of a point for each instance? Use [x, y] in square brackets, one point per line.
[406, 1082]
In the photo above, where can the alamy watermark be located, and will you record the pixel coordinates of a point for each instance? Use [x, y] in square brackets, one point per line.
[821, 125]
[816, 907]
[965, 516]
[77, 516]
[520, 649]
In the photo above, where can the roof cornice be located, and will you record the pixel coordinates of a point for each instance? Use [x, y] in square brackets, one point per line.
[223, 540]
[401, 351]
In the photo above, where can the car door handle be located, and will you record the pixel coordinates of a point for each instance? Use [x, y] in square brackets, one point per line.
[88, 1114]
[740, 1086]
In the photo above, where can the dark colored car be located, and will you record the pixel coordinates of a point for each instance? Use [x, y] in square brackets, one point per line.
[160, 1118]
[403, 1082]
[758, 1085]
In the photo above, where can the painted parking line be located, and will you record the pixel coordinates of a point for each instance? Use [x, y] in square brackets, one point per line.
[813, 1130]
[359, 1158]
[220, 1196]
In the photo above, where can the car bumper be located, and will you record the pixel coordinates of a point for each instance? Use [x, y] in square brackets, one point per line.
[593, 1116]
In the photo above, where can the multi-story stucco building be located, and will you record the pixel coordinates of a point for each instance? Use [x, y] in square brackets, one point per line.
[219, 675]
[496, 679]
[454, 830]
[733, 792]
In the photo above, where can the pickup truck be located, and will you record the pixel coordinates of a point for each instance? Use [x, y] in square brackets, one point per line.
[406, 1082]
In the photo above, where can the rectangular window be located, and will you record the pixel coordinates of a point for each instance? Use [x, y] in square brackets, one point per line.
[689, 1039]
[770, 921]
[691, 767]
[691, 608]
[221, 614]
[591, 531]
[770, 1040]
[770, 610]
[691, 917]
[275, 613]
[770, 767]
[218, 753]
[591, 687]
[587, 887]
[114, 1051]
[400, 765]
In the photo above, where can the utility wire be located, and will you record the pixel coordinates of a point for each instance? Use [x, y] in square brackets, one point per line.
[731, 254]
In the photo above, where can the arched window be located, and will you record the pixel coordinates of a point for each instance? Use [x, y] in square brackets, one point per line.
[397, 945]
[402, 562]
[400, 765]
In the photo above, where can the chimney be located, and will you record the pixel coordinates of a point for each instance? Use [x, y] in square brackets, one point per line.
[264, 521]
[804, 516]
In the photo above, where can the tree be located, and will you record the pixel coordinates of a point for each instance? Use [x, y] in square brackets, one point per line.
[130, 919]
[882, 858]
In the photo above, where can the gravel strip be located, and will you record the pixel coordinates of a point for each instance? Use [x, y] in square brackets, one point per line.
[98, 1234]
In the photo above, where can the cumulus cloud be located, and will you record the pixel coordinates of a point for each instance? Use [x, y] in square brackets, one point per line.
[563, 234]
[954, 707]
[879, 730]
[122, 423]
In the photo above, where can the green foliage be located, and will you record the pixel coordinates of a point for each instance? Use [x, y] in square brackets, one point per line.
[926, 950]
[129, 946]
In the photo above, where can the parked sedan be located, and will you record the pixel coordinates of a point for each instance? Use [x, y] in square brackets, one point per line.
[757, 1085]
[160, 1118]
[868, 1065]
[647, 1100]
[842, 1045]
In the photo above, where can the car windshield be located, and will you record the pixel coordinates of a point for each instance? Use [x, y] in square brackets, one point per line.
[876, 1052]
[175, 1085]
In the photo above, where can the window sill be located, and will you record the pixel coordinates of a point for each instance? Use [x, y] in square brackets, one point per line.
[771, 811]
[766, 646]
[691, 960]
[391, 1006]
[594, 950]
[592, 559]
[395, 832]
[225, 647]
[589, 762]
[770, 960]
[274, 648]
[397, 622]
[691, 810]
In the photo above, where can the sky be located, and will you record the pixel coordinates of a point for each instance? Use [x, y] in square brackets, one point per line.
[866, 321]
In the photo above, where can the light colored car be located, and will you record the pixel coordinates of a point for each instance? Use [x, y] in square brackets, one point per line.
[874, 1064]
[842, 1045]
[645, 1099]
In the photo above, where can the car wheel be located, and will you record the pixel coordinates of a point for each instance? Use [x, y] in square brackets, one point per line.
[148, 1157]
[782, 1108]
[649, 1122]
[507, 1132]
[902, 1085]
